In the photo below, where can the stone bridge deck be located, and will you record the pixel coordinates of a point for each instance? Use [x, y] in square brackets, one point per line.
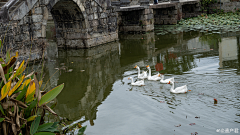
[143, 18]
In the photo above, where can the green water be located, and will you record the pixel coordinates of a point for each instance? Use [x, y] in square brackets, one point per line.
[98, 93]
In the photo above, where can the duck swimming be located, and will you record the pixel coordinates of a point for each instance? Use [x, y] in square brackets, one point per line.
[166, 80]
[137, 83]
[143, 75]
[154, 77]
[181, 89]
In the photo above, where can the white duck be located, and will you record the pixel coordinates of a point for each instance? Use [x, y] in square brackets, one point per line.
[143, 75]
[181, 89]
[137, 83]
[166, 80]
[154, 77]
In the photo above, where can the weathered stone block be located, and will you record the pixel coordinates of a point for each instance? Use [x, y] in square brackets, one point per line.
[43, 31]
[95, 22]
[45, 13]
[95, 15]
[90, 17]
[100, 9]
[91, 11]
[37, 18]
[44, 22]
[38, 10]
[150, 16]
[37, 34]
[146, 11]
[60, 41]
[24, 28]
[92, 3]
[18, 38]
[37, 26]
[103, 15]
[166, 21]
[88, 11]
[94, 9]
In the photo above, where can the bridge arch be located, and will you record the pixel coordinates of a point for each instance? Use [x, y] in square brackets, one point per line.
[78, 23]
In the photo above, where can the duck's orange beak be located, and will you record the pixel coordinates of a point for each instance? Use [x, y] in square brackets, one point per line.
[168, 82]
[128, 78]
[159, 75]
[135, 66]
[147, 66]
[189, 90]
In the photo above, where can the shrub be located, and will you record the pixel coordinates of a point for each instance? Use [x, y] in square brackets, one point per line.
[23, 102]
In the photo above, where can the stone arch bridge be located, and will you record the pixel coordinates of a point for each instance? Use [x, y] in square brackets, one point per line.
[81, 23]
[78, 23]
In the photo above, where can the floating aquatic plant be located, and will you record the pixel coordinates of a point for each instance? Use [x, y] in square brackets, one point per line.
[211, 24]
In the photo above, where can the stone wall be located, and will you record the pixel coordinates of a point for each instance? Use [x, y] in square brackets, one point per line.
[226, 6]
[83, 28]
[165, 16]
[136, 20]
[172, 12]
[190, 10]
[80, 24]
[27, 36]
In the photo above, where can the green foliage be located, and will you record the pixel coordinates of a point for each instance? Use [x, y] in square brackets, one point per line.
[81, 130]
[51, 94]
[45, 126]
[21, 95]
[213, 19]
[1, 119]
[34, 125]
[205, 4]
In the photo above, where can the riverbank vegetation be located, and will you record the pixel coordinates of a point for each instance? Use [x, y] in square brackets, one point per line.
[218, 19]
[24, 101]
[218, 23]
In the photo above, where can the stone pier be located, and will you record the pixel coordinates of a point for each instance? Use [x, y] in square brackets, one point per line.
[136, 20]
[143, 17]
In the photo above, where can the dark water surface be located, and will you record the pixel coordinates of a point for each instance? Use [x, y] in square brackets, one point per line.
[98, 93]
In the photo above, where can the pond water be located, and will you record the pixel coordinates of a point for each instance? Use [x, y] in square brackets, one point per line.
[98, 94]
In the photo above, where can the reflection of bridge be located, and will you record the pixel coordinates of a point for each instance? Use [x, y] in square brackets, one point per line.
[90, 82]
[86, 90]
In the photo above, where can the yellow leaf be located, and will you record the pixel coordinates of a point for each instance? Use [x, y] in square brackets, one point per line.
[18, 71]
[40, 83]
[16, 86]
[31, 88]
[5, 89]
[26, 82]
[30, 97]
[21, 68]
[31, 118]
[30, 92]
[16, 54]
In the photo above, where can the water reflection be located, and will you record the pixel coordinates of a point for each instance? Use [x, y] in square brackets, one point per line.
[93, 73]
[229, 53]
[97, 89]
